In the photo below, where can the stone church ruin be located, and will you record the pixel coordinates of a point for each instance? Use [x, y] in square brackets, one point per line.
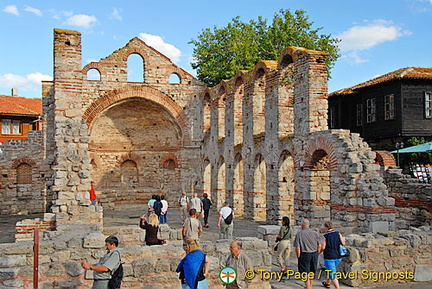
[259, 141]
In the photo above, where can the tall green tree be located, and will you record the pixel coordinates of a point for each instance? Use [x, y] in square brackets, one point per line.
[220, 52]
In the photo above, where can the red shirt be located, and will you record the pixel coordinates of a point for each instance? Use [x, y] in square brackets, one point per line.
[92, 194]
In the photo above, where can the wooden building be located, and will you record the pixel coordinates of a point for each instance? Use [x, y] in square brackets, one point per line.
[18, 115]
[386, 109]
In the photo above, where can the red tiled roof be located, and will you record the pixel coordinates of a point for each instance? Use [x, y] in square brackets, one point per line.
[403, 73]
[17, 105]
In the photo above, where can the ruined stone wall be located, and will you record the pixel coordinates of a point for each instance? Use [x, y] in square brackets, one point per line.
[61, 253]
[413, 199]
[152, 125]
[134, 139]
[288, 162]
[388, 258]
[23, 175]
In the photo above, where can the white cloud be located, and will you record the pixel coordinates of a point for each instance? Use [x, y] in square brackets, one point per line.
[59, 14]
[81, 20]
[31, 82]
[116, 14]
[354, 57]
[160, 45]
[11, 9]
[33, 10]
[363, 37]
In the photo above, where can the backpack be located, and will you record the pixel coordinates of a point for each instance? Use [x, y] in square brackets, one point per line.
[229, 219]
[116, 278]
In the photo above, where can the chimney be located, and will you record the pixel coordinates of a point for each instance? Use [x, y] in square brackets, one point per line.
[14, 91]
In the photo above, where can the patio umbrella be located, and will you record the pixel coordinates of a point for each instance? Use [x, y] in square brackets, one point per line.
[422, 148]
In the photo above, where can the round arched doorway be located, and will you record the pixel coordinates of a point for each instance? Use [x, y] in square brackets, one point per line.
[128, 141]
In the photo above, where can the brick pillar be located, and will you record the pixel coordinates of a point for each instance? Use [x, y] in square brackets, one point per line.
[309, 77]
[71, 136]
[310, 91]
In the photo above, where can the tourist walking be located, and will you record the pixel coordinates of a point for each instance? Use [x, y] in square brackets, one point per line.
[152, 229]
[284, 244]
[206, 208]
[164, 213]
[194, 267]
[183, 202]
[192, 226]
[307, 244]
[196, 204]
[241, 263]
[332, 241]
[225, 222]
[102, 270]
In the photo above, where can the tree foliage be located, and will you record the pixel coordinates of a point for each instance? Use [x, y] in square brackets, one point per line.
[220, 52]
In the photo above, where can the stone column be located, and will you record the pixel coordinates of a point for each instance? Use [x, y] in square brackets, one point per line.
[71, 165]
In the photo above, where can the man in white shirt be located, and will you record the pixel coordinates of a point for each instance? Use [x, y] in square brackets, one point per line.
[183, 202]
[164, 211]
[225, 222]
[196, 204]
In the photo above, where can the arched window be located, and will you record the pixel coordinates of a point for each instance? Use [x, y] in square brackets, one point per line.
[129, 172]
[93, 74]
[24, 174]
[174, 78]
[169, 164]
[136, 67]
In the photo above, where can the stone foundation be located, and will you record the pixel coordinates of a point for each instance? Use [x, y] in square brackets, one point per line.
[388, 258]
[413, 199]
[144, 267]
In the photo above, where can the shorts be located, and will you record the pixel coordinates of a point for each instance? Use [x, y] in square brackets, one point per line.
[330, 265]
[308, 262]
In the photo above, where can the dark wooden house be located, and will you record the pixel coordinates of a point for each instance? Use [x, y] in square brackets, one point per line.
[386, 109]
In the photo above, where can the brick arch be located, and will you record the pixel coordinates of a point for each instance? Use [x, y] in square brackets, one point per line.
[239, 79]
[385, 159]
[95, 65]
[295, 52]
[167, 157]
[183, 75]
[288, 147]
[284, 154]
[179, 78]
[266, 65]
[145, 92]
[321, 143]
[24, 160]
[128, 157]
[222, 88]
[135, 50]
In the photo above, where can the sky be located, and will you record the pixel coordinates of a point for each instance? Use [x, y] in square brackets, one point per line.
[377, 36]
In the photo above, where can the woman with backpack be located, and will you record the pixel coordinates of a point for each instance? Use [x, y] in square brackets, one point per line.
[331, 247]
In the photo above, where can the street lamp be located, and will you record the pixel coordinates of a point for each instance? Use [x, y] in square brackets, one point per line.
[399, 145]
